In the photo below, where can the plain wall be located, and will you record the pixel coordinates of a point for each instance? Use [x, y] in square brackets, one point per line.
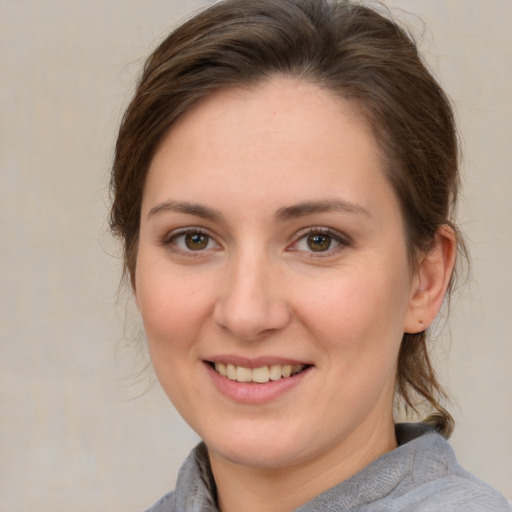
[74, 435]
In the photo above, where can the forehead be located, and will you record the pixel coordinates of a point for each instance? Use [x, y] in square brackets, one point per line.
[283, 138]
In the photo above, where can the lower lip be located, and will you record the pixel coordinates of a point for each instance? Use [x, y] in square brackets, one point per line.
[252, 392]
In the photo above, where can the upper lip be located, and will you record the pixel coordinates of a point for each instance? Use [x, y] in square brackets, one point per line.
[256, 362]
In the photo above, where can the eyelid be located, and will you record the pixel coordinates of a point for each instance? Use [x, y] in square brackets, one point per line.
[169, 236]
[342, 239]
[168, 239]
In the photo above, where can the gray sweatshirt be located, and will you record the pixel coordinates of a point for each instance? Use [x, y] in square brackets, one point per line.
[421, 475]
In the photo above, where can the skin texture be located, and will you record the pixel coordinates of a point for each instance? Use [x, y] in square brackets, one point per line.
[243, 160]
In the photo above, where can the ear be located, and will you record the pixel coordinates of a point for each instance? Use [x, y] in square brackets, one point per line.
[431, 281]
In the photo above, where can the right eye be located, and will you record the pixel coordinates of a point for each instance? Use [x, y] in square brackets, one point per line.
[191, 241]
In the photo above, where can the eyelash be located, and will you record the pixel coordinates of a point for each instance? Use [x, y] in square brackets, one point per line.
[171, 238]
[342, 241]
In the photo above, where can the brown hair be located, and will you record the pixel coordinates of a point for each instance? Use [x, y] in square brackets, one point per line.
[342, 46]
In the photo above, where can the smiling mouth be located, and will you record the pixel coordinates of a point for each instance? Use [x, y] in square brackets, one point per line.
[260, 375]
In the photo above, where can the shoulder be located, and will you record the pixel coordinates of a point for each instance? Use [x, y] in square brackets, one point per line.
[420, 475]
[165, 504]
[195, 487]
[455, 494]
[437, 482]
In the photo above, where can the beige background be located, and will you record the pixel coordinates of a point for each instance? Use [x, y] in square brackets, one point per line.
[73, 434]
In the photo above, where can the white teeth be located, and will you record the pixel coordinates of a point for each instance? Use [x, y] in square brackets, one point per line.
[231, 371]
[260, 375]
[275, 372]
[287, 370]
[221, 368]
[243, 374]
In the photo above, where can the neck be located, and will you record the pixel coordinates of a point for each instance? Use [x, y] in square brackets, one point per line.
[284, 489]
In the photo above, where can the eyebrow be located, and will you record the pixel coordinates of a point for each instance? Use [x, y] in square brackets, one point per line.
[325, 205]
[283, 214]
[197, 210]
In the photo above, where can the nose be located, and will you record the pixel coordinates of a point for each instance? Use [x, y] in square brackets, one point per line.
[251, 303]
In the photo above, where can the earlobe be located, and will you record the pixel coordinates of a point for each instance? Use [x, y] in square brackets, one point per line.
[431, 281]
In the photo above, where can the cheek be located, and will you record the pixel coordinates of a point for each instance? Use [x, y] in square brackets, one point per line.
[172, 307]
[173, 311]
[358, 311]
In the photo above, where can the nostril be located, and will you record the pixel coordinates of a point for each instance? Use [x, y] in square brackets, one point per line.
[251, 317]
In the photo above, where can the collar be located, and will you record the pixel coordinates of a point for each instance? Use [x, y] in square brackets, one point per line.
[196, 492]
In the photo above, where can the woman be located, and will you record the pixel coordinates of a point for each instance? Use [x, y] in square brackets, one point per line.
[284, 184]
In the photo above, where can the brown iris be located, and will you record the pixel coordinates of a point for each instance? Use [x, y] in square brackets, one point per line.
[196, 241]
[319, 242]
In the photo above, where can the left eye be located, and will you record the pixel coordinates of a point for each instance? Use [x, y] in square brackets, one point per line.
[317, 241]
[193, 241]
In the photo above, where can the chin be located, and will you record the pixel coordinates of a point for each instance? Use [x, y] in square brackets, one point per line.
[268, 448]
[257, 457]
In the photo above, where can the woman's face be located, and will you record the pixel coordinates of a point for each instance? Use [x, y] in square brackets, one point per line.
[270, 243]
